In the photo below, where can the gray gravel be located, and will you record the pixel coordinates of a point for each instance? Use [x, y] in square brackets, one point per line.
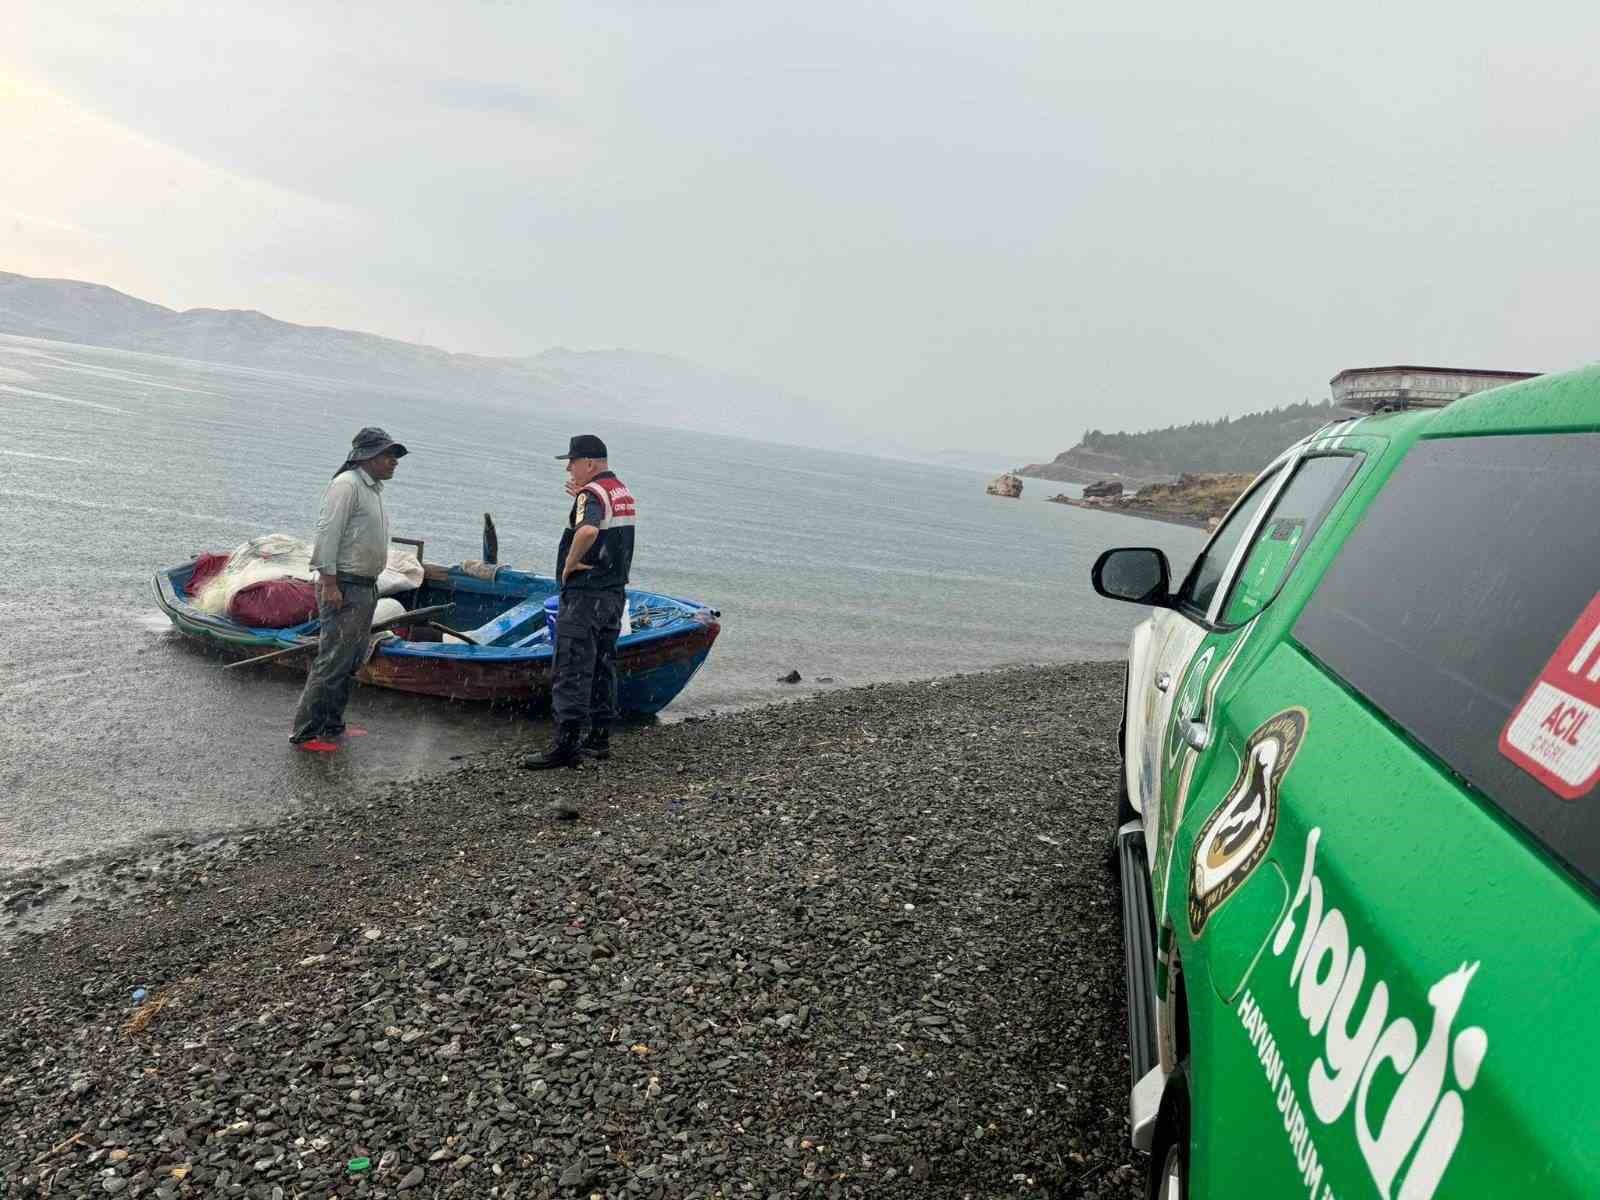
[864, 944]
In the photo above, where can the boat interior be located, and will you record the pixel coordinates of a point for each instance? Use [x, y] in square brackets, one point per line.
[505, 612]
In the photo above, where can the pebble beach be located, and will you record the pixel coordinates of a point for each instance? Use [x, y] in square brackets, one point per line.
[860, 944]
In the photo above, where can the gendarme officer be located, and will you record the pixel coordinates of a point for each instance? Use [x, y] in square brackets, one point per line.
[592, 565]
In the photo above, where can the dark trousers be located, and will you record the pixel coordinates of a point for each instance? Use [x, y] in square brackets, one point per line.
[585, 684]
[345, 633]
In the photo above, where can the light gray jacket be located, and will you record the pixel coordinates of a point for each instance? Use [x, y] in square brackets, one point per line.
[352, 529]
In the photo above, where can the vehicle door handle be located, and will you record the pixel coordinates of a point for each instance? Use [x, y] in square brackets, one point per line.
[1163, 681]
[1196, 735]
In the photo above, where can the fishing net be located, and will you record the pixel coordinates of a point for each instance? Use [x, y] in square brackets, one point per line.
[642, 614]
[274, 604]
[282, 556]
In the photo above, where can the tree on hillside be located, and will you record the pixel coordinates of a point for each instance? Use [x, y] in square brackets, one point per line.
[1244, 443]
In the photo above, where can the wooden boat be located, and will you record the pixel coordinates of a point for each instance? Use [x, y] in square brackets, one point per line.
[504, 615]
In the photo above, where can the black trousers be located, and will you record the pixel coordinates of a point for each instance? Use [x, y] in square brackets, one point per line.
[585, 683]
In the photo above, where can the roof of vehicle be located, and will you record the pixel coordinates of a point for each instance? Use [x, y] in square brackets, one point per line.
[1548, 404]
[1402, 425]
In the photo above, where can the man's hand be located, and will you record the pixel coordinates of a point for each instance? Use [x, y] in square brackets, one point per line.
[328, 591]
[582, 541]
[571, 486]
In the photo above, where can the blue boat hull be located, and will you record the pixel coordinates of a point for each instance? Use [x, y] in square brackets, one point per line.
[669, 643]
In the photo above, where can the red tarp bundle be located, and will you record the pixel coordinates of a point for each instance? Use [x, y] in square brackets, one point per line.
[274, 604]
[205, 569]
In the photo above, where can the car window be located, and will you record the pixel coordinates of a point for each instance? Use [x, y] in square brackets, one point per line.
[1472, 579]
[1295, 516]
[1201, 586]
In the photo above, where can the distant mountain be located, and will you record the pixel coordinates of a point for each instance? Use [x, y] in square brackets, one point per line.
[92, 314]
[1230, 444]
[628, 385]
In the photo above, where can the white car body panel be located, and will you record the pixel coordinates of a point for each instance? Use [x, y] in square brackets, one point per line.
[1162, 646]
[1171, 642]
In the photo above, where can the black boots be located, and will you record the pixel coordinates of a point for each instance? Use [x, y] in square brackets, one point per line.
[568, 751]
[598, 743]
[563, 752]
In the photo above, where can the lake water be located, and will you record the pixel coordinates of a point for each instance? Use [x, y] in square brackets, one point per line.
[113, 464]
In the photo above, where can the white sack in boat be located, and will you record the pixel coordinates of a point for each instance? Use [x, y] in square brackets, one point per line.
[403, 573]
[387, 607]
[282, 556]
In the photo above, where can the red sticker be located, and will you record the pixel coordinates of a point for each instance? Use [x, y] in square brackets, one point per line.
[1554, 734]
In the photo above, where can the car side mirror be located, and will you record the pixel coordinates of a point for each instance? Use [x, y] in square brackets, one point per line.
[1139, 575]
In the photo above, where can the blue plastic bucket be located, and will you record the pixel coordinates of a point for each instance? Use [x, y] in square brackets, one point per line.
[552, 606]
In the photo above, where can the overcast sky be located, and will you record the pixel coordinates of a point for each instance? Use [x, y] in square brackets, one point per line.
[985, 224]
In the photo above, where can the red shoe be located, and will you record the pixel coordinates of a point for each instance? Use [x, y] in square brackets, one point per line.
[316, 746]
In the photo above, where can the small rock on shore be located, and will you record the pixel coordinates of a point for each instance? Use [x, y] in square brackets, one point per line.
[819, 949]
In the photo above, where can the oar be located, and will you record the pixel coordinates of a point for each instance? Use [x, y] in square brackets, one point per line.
[405, 618]
[455, 633]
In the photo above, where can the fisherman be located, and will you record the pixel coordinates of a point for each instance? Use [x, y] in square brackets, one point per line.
[351, 551]
[592, 566]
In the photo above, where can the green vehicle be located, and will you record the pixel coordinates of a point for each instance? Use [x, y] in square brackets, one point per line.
[1359, 837]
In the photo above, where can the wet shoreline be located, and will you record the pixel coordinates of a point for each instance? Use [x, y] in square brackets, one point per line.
[862, 944]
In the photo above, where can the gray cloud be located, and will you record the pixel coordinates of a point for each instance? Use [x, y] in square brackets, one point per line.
[992, 224]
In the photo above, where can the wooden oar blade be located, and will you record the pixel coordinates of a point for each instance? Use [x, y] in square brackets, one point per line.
[261, 658]
[415, 616]
[405, 618]
[455, 633]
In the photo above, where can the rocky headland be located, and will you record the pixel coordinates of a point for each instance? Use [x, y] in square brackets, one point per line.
[1227, 444]
[1197, 500]
[1080, 465]
[864, 944]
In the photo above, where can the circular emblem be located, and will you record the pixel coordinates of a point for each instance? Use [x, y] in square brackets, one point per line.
[1235, 837]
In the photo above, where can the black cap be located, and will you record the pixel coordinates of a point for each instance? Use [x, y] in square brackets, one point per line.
[585, 445]
[371, 442]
